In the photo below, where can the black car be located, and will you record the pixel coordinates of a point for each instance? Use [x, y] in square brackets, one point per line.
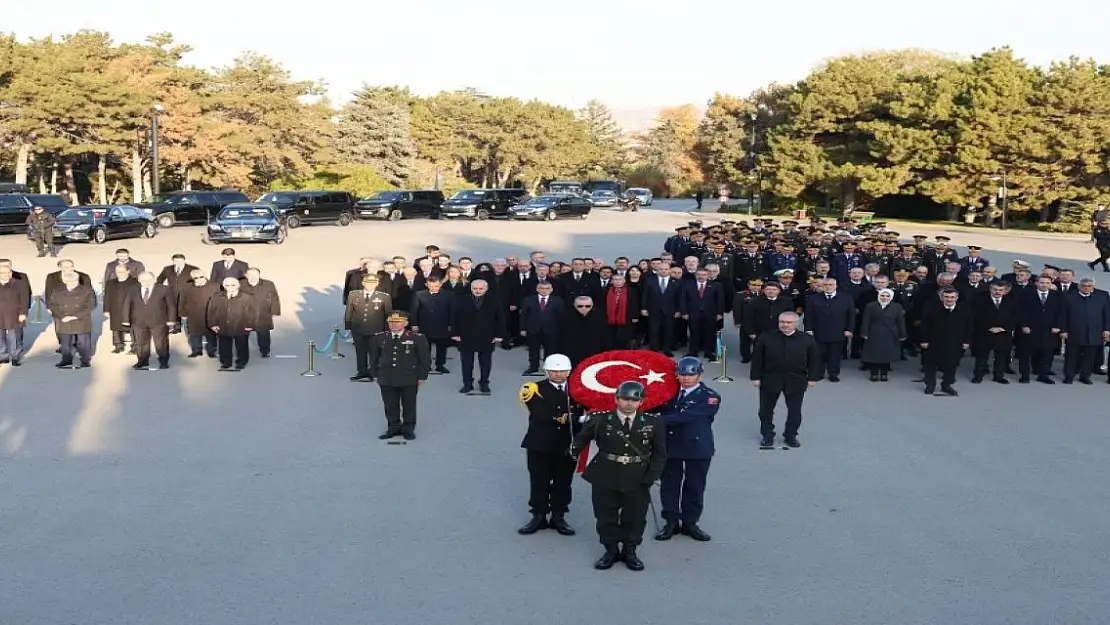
[482, 204]
[552, 207]
[14, 187]
[395, 205]
[15, 207]
[244, 223]
[191, 207]
[312, 207]
[100, 223]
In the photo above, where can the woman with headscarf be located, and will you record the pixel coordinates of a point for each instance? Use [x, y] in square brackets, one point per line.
[883, 329]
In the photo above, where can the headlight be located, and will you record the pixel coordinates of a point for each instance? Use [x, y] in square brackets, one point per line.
[214, 227]
[269, 228]
[148, 211]
[81, 227]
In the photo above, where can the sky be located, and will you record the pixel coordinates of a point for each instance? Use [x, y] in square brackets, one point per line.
[633, 55]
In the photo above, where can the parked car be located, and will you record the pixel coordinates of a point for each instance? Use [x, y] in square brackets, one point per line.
[643, 195]
[312, 207]
[245, 222]
[100, 223]
[552, 207]
[15, 207]
[396, 205]
[482, 204]
[190, 207]
[603, 198]
[571, 187]
[14, 187]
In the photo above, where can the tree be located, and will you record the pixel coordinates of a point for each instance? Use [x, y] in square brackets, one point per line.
[607, 151]
[375, 129]
[668, 148]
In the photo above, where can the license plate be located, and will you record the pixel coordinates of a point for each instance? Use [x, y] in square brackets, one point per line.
[238, 235]
[368, 212]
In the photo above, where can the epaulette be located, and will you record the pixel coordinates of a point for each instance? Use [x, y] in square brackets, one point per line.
[528, 390]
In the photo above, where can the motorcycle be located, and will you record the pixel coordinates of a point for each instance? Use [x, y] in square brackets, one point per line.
[630, 203]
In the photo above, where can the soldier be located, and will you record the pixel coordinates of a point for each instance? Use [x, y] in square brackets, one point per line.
[367, 310]
[689, 420]
[631, 456]
[907, 261]
[399, 361]
[937, 258]
[973, 261]
[550, 433]
[740, 304]
[41, 224]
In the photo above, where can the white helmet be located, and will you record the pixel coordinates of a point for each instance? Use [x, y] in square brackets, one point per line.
[556, 362]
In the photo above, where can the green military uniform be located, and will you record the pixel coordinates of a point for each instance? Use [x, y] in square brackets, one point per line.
[41, 224]
[628, 461]
[365, 316]
[399, 362]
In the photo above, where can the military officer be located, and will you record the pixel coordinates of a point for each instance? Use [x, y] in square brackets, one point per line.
[973, 261]
[632, 451]
[909, 261]
[399, 361]
[550, 426]
[41, 224]
[740, 305]
[365, 316]
[689, 419]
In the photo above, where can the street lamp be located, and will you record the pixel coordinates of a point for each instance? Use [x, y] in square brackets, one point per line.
[1004, 195]
[156, 110]
[751, 174]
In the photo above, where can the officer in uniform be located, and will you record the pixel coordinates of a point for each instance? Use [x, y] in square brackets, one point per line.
[41, 224]
[631, 456]
[399, 361]
[367, 310]
[550, 431]
[740, 305]
[689, 420]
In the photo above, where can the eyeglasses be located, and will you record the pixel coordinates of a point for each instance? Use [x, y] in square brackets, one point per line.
[586, 307]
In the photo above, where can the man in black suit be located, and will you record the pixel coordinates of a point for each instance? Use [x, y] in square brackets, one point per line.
[150, 312]
[784, 362]
[831, 321]
[54, 282]
[123, 257]
[477, 326]
[540, 319]
[702, 304]
[232, 316]
[176, 276]
[578, 282]
[995, 321]
[229, 267]
[1040, 319]
[267, 305]
[660, 306]
[431, 316]
[352, 280]
[1086, 329]
[947, 330]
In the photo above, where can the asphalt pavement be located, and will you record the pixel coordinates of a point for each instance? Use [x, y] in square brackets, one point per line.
[191, 496]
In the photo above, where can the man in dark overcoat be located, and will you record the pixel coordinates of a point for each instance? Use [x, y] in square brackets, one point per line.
[269, 306]
[947, 330]
[232, 316]
[72, 306]
[193, 310]
[784, 362]
[431, 313]
[1040, 319]
[996, 318]
[1086, 329]
[477, 326]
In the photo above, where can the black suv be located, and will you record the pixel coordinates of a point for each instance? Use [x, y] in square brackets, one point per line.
[395, 205]
[190, 207]
[312, 207]
[481, 204]
[14, 208]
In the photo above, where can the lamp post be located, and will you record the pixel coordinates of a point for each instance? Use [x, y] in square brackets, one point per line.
[1004, 195]
[156, 110]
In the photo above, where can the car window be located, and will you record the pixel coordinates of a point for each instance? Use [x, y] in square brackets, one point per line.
[48, 201]
[207, 198]
[11, 201]
[304, 200]
[340, 198]
[228, 198]
[246, 211]
[115, 213]
[132, 212]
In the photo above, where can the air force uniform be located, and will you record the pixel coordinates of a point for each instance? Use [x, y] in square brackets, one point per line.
[689, 420]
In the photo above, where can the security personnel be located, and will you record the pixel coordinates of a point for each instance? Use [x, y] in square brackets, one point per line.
[689, 420]
[550, 432]
[41, 224]
[631, 456]
[399, 361]
[367, 310]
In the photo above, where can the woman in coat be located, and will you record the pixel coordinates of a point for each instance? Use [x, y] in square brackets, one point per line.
[635, 281]
[883, 329]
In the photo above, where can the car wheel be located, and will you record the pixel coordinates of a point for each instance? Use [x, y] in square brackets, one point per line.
[149, 231]
[292, 221]
[279, 239]
[583, 215]
[205, 239]
[99, 235]
[395, 215]
[482, 214]
[165, 221]
[344, 219]
[551, 215]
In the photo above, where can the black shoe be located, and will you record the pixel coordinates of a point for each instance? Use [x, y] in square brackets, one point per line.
[1068, 380]
[745, 360]
[560, 525]
[164, 365]
[930, 390]
[225, 368]
[1085, 381]
[17, 363]
[606, 561]
[670, 528]
[767, 442]
[408, 436]
[883, 377]
[119, 350]
[874, 377]
[538, 522]
[64, 365]
[834, 378]
[360, 376]
[483, 390]
[1001, 381]
[196, 355]
[240, 367]
[1023, 379]
[466, 390]
[976, 380]
[792, 442]
[1091, 266]
[693, 531]
[139, 366]
[265, 354]
[1044, 379]
[948, 390]
[631, 560]
[442, 370]
[84, 365]
[4, 361]
[388, 434]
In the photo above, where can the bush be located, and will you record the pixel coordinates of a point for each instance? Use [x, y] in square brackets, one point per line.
[1075, 228]
[361, 180]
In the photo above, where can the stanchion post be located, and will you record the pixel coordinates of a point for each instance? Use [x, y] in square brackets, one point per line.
[311, 372]
[723, 378]
[39, 305]
[335, 353]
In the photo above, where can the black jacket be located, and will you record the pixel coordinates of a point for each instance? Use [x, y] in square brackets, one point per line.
[550, 421]
[783, 363]
[159, 309]
[80, 303]
[1086, 318]
[477, 326]
[238, 271]
[762, 315]
[116, 296]
[546, 321]
[988, 316]
[403, 361]
[174, 280]
[431, 313]
[584, 335]
[947, 332]
[13, 303]
[235, 316]
[266, 299]
[193, 305]
[54, 280]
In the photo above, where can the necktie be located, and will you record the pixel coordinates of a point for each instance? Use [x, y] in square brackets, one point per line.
[662, 284]
[997, 302]
[410, 284]
[1044, 298]
[543, 304]
[701, 290]
[146, 295]
[368, 296]
[626, 425]
[682, 395]
[396, 337]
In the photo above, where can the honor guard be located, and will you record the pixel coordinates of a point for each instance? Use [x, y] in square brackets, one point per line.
[631, 455]
[550, 432]
[399, 361]
[689, 419]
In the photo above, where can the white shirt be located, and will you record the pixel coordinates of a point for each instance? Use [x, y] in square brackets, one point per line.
[625, 419]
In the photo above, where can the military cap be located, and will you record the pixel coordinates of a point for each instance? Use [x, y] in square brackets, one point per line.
[919, 237]
[1052, 267]
[785, 273]
[892, 234]
[682, 229]
[756, 281]
[974, 247]
[849, 244]
[812, 280]
[813, 246]
[903, 272]
[370, 278]
[788, 244]
[789, 222]
[1020, 263]
[694, 224]
[941, 237]
[909, 246]
[397, 317]
[772, 283]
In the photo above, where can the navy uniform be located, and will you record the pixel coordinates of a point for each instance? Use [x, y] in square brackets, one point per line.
[364, 317]
[689, 420]
[399, 361]
[551, 427]
[631, 457]
[972, 262]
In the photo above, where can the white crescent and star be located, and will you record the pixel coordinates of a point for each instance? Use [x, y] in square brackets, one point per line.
[589, 375]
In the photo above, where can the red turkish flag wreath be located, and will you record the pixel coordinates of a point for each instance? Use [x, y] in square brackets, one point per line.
[594, 382]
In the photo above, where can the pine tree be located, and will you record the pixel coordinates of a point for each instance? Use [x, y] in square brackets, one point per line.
[376, 129]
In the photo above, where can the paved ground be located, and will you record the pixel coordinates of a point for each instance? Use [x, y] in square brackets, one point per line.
[189, 496]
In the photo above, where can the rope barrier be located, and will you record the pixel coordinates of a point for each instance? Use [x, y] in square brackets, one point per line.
[331, 348]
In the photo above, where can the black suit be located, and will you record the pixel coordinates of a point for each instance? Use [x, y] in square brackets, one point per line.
[1085, 319]
[220, 270]
[541, 326]
[1034, 350]
[661, 306]
[784, 365]
[702, 309]
[431, 316]
[477, 324]
[551, 427]
[946, 332]
[148, 318]
[989, 315]
[175, 280]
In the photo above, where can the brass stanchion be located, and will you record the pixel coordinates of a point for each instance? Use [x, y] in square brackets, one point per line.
[724, 377]
[335, 336]
[39, 305]
[311, 372]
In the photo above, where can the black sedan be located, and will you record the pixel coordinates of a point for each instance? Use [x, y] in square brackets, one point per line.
[100, 223]
[552, 207]
[243, 223]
